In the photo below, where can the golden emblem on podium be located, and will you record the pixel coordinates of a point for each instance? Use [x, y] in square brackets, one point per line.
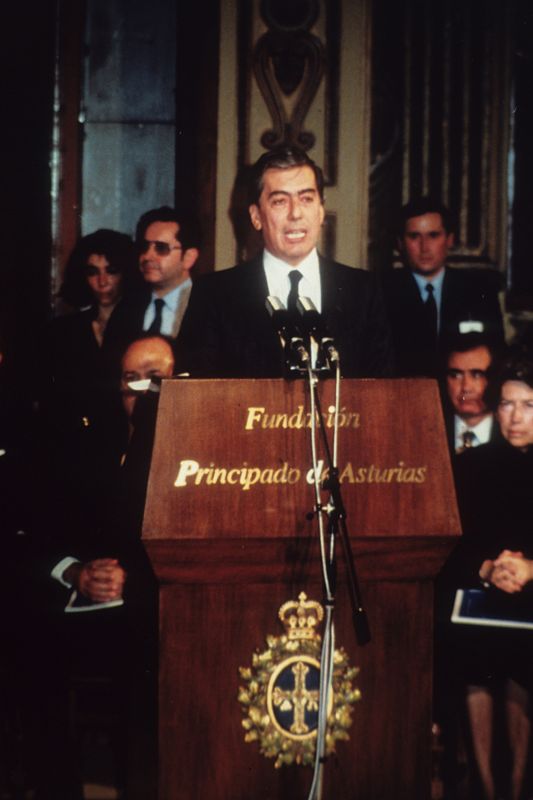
[281, 692]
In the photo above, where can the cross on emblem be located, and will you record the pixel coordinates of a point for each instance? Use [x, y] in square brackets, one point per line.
[300, 699]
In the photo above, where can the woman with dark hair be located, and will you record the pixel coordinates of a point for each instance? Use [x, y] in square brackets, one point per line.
[495, 494]
[80, 404]
[98, 272]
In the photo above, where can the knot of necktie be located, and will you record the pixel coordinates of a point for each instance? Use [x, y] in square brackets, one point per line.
[469, 438]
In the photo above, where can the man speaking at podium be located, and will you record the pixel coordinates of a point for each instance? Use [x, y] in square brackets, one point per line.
[227, 330]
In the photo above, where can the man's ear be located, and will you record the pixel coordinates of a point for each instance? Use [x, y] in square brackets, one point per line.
[450, 240]
[190, 258]
[255, 216]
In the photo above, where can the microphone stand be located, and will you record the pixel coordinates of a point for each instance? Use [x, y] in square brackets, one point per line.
[298, 362]
[328, 638]
[337, 521]
[336, 515]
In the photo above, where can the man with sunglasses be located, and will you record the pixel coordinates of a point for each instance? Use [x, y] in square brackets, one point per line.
[167, 243]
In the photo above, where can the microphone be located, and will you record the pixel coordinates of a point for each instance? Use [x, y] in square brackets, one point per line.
[295, 349]
[314, 326]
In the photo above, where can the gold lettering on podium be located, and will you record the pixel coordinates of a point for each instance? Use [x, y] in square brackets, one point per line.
[192, 473]
[375, 474]
[257, 417]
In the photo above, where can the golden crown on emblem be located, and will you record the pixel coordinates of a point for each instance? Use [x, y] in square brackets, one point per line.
[301, 618]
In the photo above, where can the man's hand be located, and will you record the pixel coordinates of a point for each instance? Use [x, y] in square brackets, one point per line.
[100, 580]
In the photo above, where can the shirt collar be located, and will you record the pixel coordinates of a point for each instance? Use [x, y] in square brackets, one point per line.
[277, 276]
[172, 298]
[436, 281]
[482, 430]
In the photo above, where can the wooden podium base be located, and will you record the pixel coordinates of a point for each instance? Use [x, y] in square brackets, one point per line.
[211, 628]
[228, 533]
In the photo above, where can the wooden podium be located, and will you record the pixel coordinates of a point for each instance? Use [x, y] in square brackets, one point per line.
[228, 533]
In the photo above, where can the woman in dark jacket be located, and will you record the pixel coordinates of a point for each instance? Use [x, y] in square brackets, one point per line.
[80, 404]
[495, 494]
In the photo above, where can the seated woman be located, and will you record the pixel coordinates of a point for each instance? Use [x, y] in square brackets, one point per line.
[495, 493]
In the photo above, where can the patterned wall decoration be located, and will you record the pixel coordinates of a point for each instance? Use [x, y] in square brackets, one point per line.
[440, 124]
[289, 53]
[288, 62]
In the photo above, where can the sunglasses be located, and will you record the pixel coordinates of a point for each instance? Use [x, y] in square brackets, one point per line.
[161, 248]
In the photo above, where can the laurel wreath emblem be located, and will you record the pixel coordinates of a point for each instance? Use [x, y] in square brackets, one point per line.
[279, 698]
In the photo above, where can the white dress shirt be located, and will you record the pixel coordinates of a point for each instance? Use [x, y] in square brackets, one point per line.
[481, 432]
[173, 309]
[277, 275]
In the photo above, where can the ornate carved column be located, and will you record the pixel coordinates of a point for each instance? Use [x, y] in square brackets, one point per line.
[295, 73]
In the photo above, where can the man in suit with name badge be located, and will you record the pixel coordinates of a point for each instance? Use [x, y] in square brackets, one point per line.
[227, 330]
[428, 300]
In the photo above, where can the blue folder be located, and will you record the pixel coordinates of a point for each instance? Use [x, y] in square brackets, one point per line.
[493, 608]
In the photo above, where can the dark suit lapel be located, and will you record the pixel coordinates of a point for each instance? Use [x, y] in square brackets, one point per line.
[253, 290]
[450, 297]
[333, 296]
[412, 292]
[413, 325]
[261, 351]
[256, 279]
[328, 287]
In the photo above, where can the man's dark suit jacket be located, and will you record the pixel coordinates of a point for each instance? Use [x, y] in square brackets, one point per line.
[467, 294]
[227, 331]
[105, 529]
[127, 321]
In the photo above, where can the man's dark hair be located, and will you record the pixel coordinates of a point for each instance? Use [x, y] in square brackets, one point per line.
[463, 342]
[189, 234]
[119, 250]
[419, 206]
[284, 157]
